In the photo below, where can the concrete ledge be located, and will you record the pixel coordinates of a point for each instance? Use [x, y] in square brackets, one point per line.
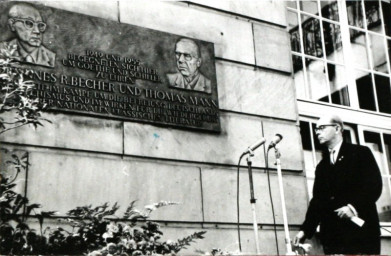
[72, 132]
[74, 180]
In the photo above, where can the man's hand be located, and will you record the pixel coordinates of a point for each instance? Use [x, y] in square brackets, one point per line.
[344, 212]
[299, 238]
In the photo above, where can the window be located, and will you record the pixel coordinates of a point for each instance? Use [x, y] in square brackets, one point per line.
[380, 144]
[340, 50]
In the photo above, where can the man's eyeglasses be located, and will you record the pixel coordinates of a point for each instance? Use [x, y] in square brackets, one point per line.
[187, 56]
[322, 127]
[29, 24]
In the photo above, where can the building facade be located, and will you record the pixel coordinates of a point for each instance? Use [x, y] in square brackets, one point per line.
[279, 66]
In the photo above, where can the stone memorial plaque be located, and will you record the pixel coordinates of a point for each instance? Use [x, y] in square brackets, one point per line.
[93, 66]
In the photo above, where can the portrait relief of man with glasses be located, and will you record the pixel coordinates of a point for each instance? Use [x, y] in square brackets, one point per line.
[26, 23]
[188, 61]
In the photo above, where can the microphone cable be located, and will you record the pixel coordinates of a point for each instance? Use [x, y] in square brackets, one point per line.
[237, 204]
[271, 199]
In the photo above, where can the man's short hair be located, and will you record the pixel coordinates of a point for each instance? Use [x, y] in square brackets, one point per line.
[334, 119]
[15, 10]
[191, 41]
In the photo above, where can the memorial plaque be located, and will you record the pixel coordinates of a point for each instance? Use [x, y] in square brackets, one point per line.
[94, 66]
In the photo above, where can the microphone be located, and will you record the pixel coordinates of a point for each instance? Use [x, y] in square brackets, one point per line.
[276, 139]
[255, 146]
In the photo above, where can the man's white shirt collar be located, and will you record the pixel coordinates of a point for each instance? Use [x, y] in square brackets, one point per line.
[336, 148]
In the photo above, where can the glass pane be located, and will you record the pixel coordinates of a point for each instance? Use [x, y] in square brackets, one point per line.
[291, 4]
[355, 13]
[305, 132]
[305, 135]
[347, 136]
[359, 49]
[299, 77]
[366, 97]
[318, 147]
[330, 10]
[309, 6]
[293, 27]
[350, 133]
[373, 16]
[338, 84]
[373, 141]
[316, 77]
[378, 53]
[307, 147]
[333, 41]
[383, 204]
[311, 36]
[389, 51]
[297, 63]
[387, 149]
[383, 93]
[387, 17]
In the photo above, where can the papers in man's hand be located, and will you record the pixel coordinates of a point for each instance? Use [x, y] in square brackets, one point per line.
[358, 221]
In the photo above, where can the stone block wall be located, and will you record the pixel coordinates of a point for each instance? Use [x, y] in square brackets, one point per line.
[81, 160]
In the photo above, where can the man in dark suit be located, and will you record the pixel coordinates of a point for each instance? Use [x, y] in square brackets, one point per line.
[347, 186]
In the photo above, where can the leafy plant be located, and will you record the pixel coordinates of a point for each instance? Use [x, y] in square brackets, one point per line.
[107, 236]
[93, 230]
[16, 94]
[16, 237]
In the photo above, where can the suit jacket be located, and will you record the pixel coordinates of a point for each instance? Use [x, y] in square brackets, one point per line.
[42, 56]
[199, 83]
[354, 179]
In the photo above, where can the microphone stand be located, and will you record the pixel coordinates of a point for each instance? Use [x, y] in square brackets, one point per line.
[286, 229]
[252, 199]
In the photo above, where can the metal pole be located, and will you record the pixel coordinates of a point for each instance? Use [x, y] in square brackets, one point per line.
[286, 229]
[253, 201]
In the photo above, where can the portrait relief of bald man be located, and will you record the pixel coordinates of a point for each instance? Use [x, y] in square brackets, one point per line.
[25, 21]
[188, 62]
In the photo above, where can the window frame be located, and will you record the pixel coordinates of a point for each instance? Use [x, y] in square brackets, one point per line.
[360, 130]
[347, 53]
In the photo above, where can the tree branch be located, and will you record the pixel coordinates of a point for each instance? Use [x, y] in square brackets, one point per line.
[7, 129]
